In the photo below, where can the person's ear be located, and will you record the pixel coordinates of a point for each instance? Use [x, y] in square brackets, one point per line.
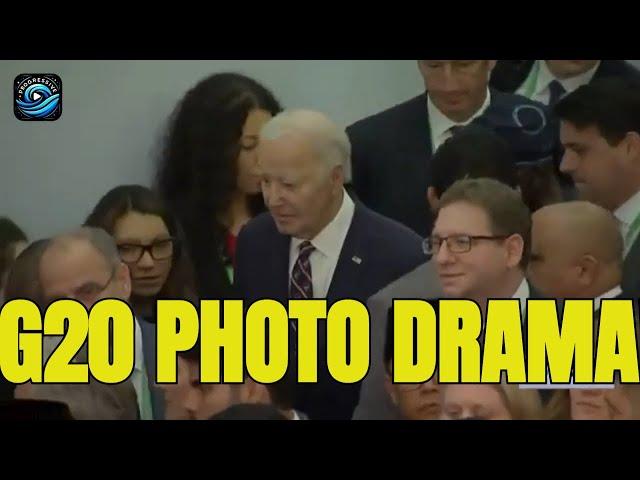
[514, 250]
[337, 177]
[433, 199]
[631, 146]
[587, 270]
[253, 392]
[123, 277]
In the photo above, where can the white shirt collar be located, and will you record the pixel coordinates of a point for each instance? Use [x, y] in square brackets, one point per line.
[440, 123]
[522, 293]
[614, 292]
[334, 233]
[545, 77]
[628, 211]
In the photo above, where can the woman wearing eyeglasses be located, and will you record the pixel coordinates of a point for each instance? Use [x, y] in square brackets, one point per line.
[147, 237]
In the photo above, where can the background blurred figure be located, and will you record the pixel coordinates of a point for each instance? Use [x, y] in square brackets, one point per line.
[12, 242]
[420, 401]
[392, 151]
[546, 81]
[22, 283]
[315, 242]
[149, 243]
[84, 265]
[576, 252]
[539, 185]
[92, 401]
[189, 399]
[250, 412]
[600, 130]
[209, 175]
[619, 403]
[490, 402]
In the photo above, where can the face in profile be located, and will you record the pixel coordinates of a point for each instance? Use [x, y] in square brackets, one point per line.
[458, 88]
[595, 166]
[299, 190]
[146, 246]
[552, 266]
[467, 401]
[415, 402]
[570, 68]
[468, 267]
[249, 173]
[76, 270]
[191, 399]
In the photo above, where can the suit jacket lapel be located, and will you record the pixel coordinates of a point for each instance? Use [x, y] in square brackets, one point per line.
[280, 267]
[351, 262]
[631, 277]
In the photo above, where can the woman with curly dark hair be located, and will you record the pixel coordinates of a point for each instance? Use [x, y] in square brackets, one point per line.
[208, 172]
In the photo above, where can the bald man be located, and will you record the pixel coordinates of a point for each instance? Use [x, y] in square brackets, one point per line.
[576, 252]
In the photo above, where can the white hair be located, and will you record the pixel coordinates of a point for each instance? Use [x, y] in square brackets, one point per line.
[329, 142]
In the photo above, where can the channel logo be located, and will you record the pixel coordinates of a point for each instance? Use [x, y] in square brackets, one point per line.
[37, 97]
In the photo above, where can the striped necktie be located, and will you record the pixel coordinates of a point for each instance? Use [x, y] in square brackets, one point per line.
[301, 284]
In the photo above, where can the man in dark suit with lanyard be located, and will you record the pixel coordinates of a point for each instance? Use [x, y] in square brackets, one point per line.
[600, 131]
[392, 150]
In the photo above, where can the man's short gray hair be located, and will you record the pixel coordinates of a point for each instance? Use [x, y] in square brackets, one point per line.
[97, 238]
[329, 142]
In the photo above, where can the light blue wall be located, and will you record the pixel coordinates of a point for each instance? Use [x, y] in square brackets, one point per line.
[114, 111]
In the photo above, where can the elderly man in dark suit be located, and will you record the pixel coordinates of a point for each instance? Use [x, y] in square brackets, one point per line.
[392, 150]
[315, 242]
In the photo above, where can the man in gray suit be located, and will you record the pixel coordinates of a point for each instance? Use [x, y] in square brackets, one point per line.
[473, 152]
[83, 265]
[600, 131]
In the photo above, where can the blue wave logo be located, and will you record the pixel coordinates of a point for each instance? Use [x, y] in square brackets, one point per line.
[38, 97]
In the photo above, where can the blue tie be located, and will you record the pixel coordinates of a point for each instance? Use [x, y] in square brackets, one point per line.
[556, 91]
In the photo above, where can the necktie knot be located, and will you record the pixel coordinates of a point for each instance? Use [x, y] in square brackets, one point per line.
[301, 283]
[556, 92]
[306, 248]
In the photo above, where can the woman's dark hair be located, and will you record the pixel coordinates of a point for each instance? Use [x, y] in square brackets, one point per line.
[539, 185]
[197, 172]
[136, 198]
[10, 234]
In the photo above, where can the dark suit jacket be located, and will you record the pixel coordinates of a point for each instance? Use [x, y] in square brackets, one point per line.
[631, 271]
[387, 251]
[509, 75]
[391, 152]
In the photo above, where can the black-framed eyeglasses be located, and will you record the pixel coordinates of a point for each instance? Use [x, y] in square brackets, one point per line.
[456, 243]
[159, 250]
